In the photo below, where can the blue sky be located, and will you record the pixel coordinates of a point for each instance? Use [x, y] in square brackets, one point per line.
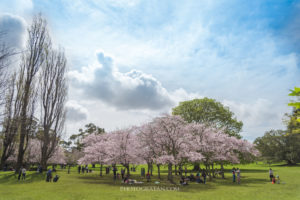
[132, 60]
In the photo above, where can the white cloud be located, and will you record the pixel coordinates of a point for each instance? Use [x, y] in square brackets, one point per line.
[13, 29]
[258, 116]
[131, 90]
[76, 112]
[19, 7]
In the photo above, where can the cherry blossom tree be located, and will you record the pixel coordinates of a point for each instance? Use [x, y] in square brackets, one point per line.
[95, 150]
[122, 148]
[171, 140]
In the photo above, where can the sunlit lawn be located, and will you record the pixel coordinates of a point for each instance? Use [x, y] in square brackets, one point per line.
[254, 185]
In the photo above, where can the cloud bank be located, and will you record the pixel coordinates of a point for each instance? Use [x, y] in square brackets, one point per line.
[130, 90]
[76, 112]
[12, 30]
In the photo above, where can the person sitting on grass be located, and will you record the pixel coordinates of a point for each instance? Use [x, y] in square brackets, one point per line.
[273, 180]
[183, 181]
[192, 177]
[278, 179]
[198, 179]
[55, 179]
[126, 179]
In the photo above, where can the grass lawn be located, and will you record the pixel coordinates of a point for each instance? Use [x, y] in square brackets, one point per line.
[254, 185]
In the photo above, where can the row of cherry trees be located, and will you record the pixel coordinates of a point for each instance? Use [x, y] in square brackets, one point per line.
[166, 140]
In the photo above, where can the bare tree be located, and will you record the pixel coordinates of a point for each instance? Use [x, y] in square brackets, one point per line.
[53, 95]
[10, 123]
[5, 54]
[32, 59]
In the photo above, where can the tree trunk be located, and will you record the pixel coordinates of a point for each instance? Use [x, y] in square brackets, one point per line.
[128, 172]
[222, 171]
[158, 171]
[210, 177]
[3, 158]
[170, 176]
[44, 165]
[196, 167]
[180, 170]
[151, 171]
[101, 169]
[213, 170]
[20, 152]
[148, 169]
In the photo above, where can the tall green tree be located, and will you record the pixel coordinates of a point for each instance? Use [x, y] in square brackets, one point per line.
[210, 112]
[276, 146]
[89, 129]
[293, 123]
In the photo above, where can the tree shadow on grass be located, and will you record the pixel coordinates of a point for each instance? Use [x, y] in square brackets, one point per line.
[286, 165]
[12, 178]
[250, 171]
[164, 183]
[225, 170]
[245, 182]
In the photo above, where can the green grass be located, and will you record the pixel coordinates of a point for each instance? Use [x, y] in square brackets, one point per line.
[254, 185]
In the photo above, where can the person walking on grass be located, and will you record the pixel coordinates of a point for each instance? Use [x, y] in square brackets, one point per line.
[233, 174]
[271, 174]
[23, 173]
[204, 176]
[115, 172]
[20, 173]
[49, 176]
[122, 173]
[238, 175]
[79, 169]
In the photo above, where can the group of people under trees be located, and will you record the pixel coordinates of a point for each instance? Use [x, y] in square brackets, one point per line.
[200, 177]
[83, 169]
[184, 180]
[22, 174]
